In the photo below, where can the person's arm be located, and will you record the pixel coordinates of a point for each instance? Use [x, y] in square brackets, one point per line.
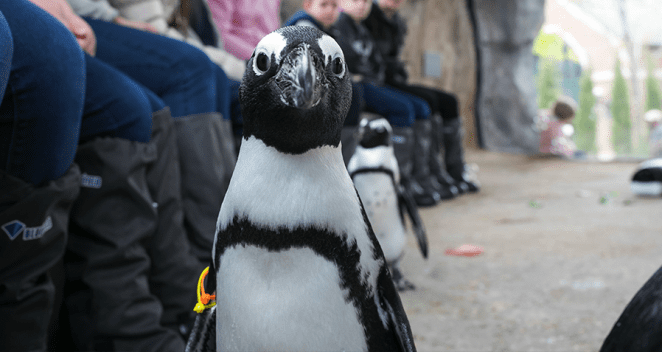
[97, 9]
[102, 10]
[61, 10]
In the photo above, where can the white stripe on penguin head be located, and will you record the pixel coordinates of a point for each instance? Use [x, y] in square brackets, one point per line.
[331, 50]
[272, 43]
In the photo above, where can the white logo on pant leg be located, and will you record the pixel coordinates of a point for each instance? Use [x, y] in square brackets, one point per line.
[90, 181]
[15, 228]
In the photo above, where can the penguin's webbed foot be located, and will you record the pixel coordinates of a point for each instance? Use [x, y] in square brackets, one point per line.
[399, 280]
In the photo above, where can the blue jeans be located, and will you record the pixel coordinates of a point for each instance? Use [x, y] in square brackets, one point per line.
[180, 74]
[399, 108]
[40, 115]
[57, 97]
[115, 105]
[6, 53]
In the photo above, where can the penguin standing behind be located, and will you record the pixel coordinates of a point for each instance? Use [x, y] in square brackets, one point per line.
[376, 175]
[297, 265]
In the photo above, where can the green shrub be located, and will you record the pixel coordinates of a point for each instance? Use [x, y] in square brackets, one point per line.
[620, 110]
[653, 94]
[584, 122]
[549, 83]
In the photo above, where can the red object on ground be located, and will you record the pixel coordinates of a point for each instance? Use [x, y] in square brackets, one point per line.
[465, 250]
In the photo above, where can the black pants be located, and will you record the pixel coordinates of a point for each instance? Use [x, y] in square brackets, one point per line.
[440, 102]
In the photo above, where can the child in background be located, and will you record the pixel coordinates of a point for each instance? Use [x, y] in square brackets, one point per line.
[321, 14]
[553, 140]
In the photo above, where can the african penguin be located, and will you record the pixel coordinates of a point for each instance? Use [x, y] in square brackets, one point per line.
[376, 175]
[639, 328]
[297, 265]
[647, 179]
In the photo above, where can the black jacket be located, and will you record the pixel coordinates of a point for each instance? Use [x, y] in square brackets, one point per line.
[359, 48]
[389, 37]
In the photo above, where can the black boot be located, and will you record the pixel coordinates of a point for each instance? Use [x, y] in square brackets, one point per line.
[454, 155]
[404, 147]
[175, 270]
[448, 188]
[421, 172]
[33, 236]
[206, 157]
[107, 295]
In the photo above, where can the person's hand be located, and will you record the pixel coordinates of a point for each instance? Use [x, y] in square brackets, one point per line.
[143, 26]
[61, 10]
[84, 35]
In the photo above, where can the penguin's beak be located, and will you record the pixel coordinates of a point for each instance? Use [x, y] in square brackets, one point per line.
[298, 79]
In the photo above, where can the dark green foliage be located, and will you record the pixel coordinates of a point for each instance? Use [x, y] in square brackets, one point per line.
[653, 94]
[584, 122]
[620, 110]
[549, 83]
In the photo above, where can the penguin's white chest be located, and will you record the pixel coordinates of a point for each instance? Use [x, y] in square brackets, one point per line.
[381, 205]
[288, 300]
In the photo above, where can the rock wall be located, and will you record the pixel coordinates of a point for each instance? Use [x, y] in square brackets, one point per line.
[507, 94]
[506, 97]
[444, 27]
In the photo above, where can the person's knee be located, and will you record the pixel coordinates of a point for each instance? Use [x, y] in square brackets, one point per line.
[449, 106]
[137, 124]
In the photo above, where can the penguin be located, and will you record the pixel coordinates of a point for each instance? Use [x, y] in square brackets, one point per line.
[647, 179]
[296, 265]
[639, 328]
[376, 175]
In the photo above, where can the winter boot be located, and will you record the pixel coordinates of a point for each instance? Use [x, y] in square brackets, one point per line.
[454, 155]
[421, 172]
[33, 237]
[175, 270]
[107, 264]
[206, 158]
[403, 147]
[447, 189]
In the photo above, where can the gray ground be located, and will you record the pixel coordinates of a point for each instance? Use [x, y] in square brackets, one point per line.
[559, 264]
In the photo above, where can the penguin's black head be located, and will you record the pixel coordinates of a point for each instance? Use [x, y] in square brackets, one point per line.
[375, 133]
[296, 91]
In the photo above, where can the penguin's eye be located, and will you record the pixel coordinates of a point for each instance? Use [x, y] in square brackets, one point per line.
[262, 62]
[337, 66]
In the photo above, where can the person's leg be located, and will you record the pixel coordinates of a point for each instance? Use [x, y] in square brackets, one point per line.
[107, 264]
[188, 82]
[405, 114]
[40, 118]
[421, 150]
[394, 106]
[440, 104]
[6, 53]
[179, 73]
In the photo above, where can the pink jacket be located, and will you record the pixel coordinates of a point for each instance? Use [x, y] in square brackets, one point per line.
[242, 23]
[552, 139]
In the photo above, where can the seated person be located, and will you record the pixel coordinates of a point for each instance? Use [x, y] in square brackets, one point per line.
[243, 23]
[388, 30]
[79, 137]
[553, 123]
[404, 111]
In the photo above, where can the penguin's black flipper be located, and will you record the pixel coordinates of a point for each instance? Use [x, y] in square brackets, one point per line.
[639, 327]
[390, 302]
[203, 334]
[407, 202]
